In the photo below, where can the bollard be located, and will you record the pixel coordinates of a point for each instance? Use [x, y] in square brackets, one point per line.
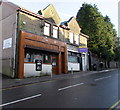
[51, 74]
[72, 70]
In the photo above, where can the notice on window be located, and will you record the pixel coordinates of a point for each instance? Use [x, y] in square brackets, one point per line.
[7, 43]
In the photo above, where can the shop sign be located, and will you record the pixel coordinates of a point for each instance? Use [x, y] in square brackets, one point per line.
[82, 46]
[82, 50]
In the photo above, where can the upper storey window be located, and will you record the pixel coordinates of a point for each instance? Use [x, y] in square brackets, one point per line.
[71, 37]
[77, 39]
[47, 29]
[55, 32]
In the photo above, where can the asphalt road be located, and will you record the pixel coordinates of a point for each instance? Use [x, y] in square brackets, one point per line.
[100, 90]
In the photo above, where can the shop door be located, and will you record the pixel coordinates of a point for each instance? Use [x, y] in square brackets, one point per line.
[54, 65]
[83, 62]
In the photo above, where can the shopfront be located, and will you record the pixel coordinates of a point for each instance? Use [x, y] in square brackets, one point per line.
[52, 54]
[73, 58]
[84, 57]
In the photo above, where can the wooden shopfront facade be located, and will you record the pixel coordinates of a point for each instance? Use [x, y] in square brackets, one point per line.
[53, 54]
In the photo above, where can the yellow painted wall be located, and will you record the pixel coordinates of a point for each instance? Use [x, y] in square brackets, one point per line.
[83, 40]
[50, 12]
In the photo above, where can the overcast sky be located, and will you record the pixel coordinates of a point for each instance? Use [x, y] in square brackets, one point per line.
[69, 8]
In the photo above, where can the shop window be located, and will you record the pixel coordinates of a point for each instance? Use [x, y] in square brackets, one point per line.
[37, 57]
[71, 37]
[46, 58]
[47, 29]
[28, 56]
[55, 32]
[32, 55]
[54, 62]
[73, 57]
[69, 53]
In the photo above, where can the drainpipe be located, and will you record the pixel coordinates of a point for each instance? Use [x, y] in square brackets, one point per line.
[17, 47]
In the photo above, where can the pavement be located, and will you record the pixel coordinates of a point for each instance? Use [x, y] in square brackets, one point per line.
[10, 82]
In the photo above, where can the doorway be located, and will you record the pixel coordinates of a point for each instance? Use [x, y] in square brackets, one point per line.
[54, 65]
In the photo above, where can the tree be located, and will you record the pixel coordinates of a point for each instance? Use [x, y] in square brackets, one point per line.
[99, 28]
[117, 54]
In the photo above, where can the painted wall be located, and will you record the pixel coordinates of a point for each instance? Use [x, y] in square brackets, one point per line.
[30, 70]
[73, 25]
[51, 13]
[83, 40]
[9, 26]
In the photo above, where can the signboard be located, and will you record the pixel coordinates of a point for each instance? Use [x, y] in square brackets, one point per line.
[82, 46]
[7, 43]
[38, 65]
[82, 50]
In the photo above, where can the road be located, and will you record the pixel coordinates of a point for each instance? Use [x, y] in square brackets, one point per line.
[98, 90]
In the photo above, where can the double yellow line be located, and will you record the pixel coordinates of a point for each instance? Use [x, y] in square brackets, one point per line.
[116, 106]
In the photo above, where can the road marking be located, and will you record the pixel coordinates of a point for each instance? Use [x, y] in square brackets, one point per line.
[70, 86]
[113, 106]
[14, 87]
[102, 78]
[104, 71]
[20, 100]
[4, 89]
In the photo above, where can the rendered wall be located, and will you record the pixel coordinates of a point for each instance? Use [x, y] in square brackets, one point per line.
[31, 24]
[9, 25]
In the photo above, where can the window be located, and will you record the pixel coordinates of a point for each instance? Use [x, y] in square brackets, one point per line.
[71, 37]
[77, 39]
[55, 32]
[28, 56]
[31, 55]
[38, 56]
[73, 57]
[46, 58]
[47, 29]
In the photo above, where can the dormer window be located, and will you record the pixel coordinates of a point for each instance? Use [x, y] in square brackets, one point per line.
[47, 29]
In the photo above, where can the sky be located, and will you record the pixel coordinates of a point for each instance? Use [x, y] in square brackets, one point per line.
[69, 8]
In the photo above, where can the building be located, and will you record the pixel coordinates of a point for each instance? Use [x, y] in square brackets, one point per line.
[73, 41]
[26, 38]
[84, 54]
[76, 46]
[29, 39]
[70, 32]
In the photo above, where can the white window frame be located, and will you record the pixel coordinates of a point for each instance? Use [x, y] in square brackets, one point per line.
[55, 31]
[47, 29]
[71, 37]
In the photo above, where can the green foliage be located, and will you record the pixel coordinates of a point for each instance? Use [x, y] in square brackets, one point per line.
[117, 54]
[99, 28]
